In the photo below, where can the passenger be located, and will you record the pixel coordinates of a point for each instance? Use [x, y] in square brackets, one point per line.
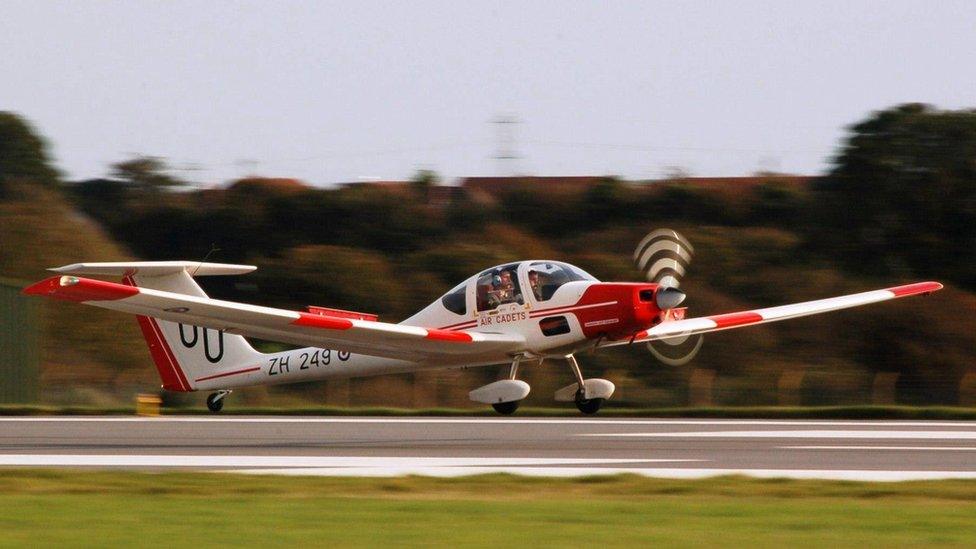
[536, 284]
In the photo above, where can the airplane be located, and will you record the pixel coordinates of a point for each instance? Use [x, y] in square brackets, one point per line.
[517, 313]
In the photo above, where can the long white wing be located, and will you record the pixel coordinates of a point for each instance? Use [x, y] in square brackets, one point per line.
[691, 326]
[343, 334]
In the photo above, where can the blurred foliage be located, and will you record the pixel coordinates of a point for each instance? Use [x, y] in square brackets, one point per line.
[23, 153]
[901, 197]
[898, 205]
[97, 351]
[146, 173]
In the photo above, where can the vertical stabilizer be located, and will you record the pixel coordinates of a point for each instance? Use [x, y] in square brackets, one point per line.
[184, 354]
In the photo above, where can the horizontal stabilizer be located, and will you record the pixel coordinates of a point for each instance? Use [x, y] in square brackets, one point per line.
[153, 268]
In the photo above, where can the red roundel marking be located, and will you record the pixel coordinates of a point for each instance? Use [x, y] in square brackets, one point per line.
[917, 288]
[319, 321]
[735, 319]
[80, 289]
[446, 335]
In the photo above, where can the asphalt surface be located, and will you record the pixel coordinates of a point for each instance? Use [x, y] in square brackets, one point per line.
[857, 450]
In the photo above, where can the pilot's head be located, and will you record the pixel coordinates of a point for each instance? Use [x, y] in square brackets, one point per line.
[533, 276]
[506, 277]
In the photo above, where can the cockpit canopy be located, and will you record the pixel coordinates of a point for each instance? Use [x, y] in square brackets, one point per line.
[533, 281]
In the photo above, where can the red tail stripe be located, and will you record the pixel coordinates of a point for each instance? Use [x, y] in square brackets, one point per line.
[171, 381]
[172, 356]
[735, 319]
[166, 364]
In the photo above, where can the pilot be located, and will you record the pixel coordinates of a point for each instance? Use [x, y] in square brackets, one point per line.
[496, 295]
[536, 284]
[506, 290]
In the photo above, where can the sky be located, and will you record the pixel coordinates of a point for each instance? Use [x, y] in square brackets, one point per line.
[347, 91]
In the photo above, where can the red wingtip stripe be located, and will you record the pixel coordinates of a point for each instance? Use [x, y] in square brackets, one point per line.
[447, 335]
[917, 288]
[735, 319]
[70, 288]
[319, 321]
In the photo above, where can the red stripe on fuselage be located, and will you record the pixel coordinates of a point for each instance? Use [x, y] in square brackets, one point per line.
[571, 309]
[460, 325]
[225, 374]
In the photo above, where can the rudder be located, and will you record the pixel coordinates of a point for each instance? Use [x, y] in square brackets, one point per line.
[185, 355]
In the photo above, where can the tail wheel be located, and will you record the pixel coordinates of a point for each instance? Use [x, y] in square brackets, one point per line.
[215, 402]
[589, 406]
[506, 408]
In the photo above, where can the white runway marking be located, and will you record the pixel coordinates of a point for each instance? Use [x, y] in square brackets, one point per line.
[896, 448]
[811, 433]
[483, 420]
[451, 467]
[393, 464]
[826, 474]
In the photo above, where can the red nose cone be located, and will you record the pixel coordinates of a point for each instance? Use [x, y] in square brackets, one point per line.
[619, 309]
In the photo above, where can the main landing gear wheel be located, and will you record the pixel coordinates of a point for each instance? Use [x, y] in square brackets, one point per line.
[506, 408]
[215, 402]
[588, 406]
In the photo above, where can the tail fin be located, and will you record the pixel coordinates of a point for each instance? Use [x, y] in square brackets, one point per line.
[184, 355]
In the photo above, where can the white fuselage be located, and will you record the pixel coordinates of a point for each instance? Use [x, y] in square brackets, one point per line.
[555, 322]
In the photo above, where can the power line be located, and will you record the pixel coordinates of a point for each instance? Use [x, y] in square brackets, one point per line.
[506, 154]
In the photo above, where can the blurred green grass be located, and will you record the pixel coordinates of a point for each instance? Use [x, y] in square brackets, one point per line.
[84, 508]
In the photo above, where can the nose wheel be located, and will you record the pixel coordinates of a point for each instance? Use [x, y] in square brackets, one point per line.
[588, 406]
[588, 394]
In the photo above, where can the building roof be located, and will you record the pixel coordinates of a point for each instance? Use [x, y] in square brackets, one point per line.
[272, 184]
[493, 187]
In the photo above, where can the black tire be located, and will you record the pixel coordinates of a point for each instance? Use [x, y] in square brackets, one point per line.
[213, 404]
[590, 406]
[506, 408]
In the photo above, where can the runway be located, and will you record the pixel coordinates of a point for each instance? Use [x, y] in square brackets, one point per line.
[390, 446]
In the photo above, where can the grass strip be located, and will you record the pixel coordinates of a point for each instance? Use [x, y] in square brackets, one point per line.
[84, 508]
